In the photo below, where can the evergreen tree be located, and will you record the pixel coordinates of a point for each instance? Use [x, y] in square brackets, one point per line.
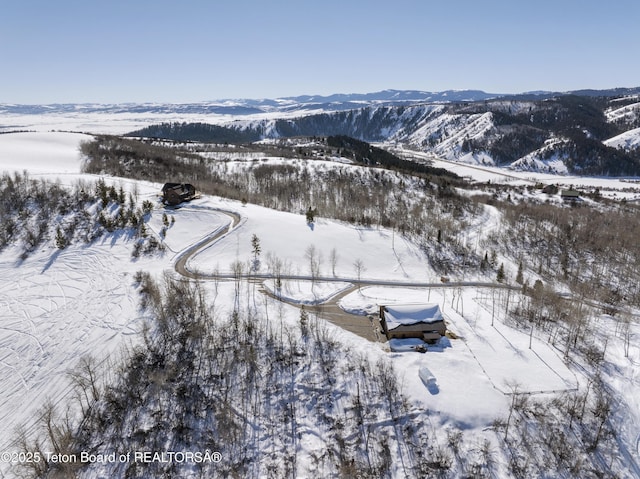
[311, 213]
[500, 276]
[255, 247]
[519, 277]
[61, 241]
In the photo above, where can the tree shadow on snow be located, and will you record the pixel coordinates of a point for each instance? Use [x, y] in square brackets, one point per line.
[52, 259]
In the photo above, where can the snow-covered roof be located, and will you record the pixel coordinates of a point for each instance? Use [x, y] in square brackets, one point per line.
[406, 314]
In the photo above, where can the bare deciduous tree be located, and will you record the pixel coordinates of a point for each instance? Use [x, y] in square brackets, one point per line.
[313, 257]
[359, 267]
[333, 259]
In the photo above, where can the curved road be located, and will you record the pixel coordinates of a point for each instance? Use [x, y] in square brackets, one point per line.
[187, 254]
[363, 326]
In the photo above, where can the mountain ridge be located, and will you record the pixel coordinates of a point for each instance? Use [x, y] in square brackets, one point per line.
[245, 106]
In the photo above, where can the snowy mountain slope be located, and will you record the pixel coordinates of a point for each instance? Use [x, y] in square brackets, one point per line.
[546, 159]
[499, 131]
[425, 126]
[373, 123]
[627, 114]
[448, 132]
[629, 140]
[466, 126]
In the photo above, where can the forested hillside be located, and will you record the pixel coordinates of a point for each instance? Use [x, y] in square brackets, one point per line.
[197, 132]
[358, 195]
[34, 212]
[366, 154]
[554, 241]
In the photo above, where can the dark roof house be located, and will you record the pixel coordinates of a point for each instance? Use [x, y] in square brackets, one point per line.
[570, 195]
[422, 321]
[175, 193]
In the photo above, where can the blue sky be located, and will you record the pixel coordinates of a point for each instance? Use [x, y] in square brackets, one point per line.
[197, 50]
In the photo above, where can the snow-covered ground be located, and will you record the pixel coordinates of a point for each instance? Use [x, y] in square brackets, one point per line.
[287, 238]
[60, 305]
[629, 140]
[41, 152]
[115, 123]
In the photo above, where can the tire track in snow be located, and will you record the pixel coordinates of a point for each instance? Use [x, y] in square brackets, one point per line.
[52, 314]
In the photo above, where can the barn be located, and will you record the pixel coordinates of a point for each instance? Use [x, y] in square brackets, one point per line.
[424, 321]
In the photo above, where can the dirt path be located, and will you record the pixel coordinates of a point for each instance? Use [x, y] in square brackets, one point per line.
[363, 326]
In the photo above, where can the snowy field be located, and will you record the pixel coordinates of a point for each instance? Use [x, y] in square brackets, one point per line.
[113, 123]
[117, 119]
[41, 153]
[58, 306]
[287, 238]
